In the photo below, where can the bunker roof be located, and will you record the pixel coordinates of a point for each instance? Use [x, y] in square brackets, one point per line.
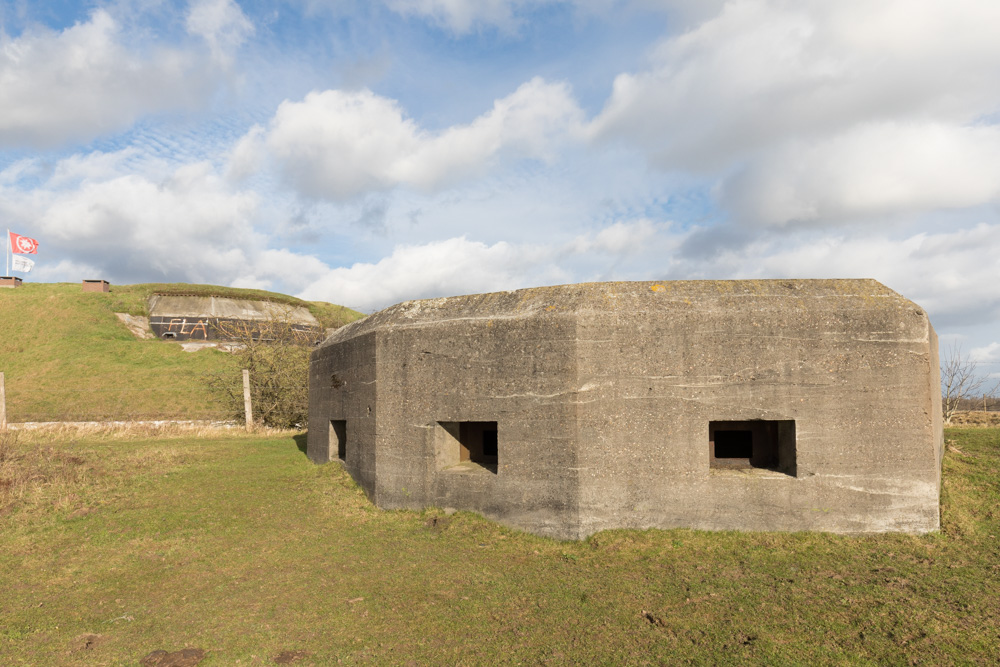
[646, 296]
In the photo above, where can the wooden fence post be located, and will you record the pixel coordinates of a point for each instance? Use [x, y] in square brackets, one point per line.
[3, 404]
[246, 398]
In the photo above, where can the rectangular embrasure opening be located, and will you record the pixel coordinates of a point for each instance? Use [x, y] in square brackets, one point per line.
[338, 438]
[467, 445]
[759, 443]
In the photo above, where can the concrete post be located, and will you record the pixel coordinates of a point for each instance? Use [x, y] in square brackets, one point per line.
[246, 398]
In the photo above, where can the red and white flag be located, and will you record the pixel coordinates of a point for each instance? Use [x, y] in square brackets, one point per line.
[22, 245]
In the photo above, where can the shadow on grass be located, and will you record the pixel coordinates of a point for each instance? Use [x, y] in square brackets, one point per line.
[300, 441]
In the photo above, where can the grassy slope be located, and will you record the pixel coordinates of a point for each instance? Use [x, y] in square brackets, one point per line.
[66, 356]
[241, 547]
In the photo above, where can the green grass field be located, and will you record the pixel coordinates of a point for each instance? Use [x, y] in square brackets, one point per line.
[111, 548]
[67, 357]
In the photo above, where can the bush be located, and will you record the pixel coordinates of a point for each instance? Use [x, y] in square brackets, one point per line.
[277, 356]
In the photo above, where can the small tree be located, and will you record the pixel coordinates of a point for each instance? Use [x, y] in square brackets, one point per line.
[959, 380]
[277, 356]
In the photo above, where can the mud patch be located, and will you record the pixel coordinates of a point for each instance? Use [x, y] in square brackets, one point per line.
[741, 640]
[437, 523]
[87, 641]
[654, 620]
[288, 657]
[188, 657]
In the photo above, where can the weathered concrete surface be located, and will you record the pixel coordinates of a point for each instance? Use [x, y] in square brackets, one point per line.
[137, 324]
[198, 317]
[603, 395]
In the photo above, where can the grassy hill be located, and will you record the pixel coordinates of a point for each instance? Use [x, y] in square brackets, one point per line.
[66, 356]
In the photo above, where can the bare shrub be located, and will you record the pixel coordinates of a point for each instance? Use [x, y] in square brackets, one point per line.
[960, 381]
[277, 355]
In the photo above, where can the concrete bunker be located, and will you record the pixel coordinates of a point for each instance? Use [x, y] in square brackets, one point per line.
[182, 317]
[747, 405]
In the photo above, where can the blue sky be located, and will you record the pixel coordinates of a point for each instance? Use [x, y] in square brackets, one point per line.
[368, 152]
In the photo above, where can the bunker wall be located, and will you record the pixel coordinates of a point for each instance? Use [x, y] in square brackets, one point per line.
[343, 408]
[512, 374]
[852, 379]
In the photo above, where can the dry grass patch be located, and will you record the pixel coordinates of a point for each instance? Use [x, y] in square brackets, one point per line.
[36, 473]
[976, 419]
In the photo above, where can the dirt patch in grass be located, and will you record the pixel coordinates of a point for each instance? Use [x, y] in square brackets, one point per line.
[87, 641]
[288, 657]
[188, 657]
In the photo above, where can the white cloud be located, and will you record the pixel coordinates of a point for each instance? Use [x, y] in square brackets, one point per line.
[49, 272]
[834, 109]
[84, 81]
[340, 144]
[449, 267]
[870, 170]
[293, 270]
[223, 26]
[94, 166]
[460, 266]
[986, 354]
[764, 70]
[620, 238]
[951, 274]
[247, 156]
[185, 224]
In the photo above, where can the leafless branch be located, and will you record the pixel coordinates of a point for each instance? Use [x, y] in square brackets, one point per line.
[277, 355]
[959, 380]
